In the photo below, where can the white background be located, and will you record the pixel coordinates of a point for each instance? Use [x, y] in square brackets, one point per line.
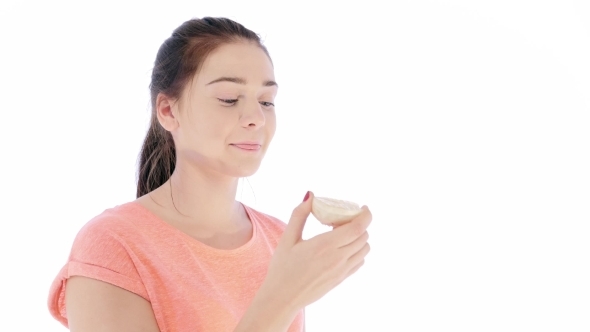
[463, 125]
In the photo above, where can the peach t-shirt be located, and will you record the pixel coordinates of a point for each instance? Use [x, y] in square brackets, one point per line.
[191, 286]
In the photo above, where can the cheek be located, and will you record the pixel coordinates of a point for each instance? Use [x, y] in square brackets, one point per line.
[212, 128]
[271, 124]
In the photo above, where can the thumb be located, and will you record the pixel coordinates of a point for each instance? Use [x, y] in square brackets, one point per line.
[294, 229]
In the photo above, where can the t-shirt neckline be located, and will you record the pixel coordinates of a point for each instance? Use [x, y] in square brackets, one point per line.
[189, 239]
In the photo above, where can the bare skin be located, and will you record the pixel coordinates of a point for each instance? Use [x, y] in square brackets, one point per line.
[224, 239]
[97, 306]
[199, 199]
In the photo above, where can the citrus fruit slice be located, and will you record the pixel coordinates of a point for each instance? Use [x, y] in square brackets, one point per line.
[333, 212]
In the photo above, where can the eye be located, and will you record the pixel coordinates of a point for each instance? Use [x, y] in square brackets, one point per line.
[228, 101]
[266, 103]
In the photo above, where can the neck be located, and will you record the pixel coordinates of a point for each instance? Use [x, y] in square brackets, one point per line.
[203, 199]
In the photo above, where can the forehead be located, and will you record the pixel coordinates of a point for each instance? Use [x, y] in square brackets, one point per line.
[242, 59]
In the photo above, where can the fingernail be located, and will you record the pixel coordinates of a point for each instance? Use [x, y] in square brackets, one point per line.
[306, 196]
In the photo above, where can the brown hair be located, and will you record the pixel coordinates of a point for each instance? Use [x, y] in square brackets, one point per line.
[178, 60]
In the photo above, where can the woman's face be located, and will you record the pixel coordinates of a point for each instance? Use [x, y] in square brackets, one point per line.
[229, 101]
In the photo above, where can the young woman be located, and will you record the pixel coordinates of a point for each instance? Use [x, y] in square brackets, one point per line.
[185, 255]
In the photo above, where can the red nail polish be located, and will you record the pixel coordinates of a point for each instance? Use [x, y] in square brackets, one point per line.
[306, 196]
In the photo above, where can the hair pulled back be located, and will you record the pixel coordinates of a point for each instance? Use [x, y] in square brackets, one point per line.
[177, 61]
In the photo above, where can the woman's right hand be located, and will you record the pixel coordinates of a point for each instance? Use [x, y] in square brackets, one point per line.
[302, 271]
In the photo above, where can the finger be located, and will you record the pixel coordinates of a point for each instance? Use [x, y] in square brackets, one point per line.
[355, 268]
[347, 233]
[294, 229]
[352, 248]
[359, 255]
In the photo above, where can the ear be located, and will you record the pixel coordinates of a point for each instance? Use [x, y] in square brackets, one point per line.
[166, 111]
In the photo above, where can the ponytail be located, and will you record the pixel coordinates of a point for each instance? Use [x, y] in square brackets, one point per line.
[157, 159]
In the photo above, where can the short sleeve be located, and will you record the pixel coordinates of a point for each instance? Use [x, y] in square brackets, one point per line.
[97, 253]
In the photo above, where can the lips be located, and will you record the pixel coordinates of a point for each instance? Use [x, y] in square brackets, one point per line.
[248, 146]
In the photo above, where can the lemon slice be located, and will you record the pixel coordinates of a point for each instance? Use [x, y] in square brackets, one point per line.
[330, 211]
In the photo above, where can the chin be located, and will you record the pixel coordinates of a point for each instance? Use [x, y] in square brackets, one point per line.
[244, 171]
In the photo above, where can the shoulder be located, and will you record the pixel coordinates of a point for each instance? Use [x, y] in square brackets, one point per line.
[111, 228]
[115, 221]
[103, 250]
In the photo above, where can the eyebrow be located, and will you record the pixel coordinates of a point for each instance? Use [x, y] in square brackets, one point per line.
[239, 80]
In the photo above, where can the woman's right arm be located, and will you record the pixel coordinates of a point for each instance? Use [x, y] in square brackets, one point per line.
[94, 306]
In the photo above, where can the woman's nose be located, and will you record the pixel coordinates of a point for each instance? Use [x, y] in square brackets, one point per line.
[253, 115]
